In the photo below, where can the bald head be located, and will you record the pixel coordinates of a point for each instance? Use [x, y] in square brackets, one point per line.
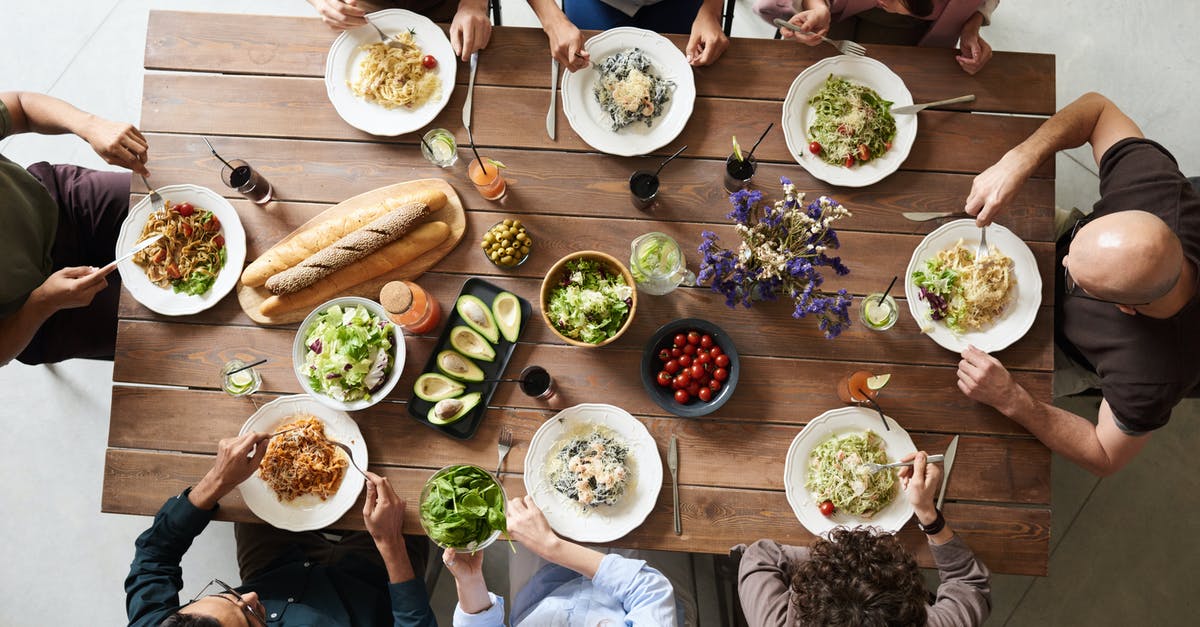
[1126, 257]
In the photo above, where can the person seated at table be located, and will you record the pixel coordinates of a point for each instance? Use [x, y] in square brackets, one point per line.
[470, 27]
[862, 577]
[934, 23]
[58, 224]
[699, 18]
[1128, 308]
[576, 586]
[311, 578]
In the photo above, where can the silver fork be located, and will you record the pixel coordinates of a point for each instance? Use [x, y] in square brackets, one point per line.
[388, 40]
[348, 454]
[982, 250]
[503, 446]
[844, 46]
[156, 200]
[873, 468]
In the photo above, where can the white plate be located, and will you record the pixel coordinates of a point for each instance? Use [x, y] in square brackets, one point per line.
[604, 523]
[299, 352]
[342, 64]
[594, 126]
[1018, 316]
[309, 511]
[832, 423]
[164, 300]
[798, 115]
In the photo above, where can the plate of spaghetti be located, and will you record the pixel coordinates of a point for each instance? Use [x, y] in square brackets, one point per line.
[198, 259]
[957, 299]
[304, 482]
[391, 91]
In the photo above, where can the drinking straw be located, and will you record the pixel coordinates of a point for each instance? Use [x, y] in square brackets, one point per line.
[888, 290]
[760, 138]
[471, 138]
[664, 163]
[427, 146]
[214, 151]
[257, 363]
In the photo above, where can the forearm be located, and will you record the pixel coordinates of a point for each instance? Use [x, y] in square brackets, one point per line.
[1069, 128]
[395, 558]
[548, 12]
[18, 329]
[578, 558]
[473, 594]
[478, 6]
[47, 115]
[973, 23]
[711, 9]
[1063, 432]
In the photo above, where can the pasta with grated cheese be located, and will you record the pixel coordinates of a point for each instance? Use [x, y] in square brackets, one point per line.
[303, 461]
[395, 77]
[968, 293]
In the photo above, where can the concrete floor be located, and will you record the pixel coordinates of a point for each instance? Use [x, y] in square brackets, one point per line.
[1120, 551]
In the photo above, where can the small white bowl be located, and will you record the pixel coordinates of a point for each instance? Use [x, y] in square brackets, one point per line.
[299, 352]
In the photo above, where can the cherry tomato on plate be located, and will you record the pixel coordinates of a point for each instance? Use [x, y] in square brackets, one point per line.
[664, 378]
[826, 508]
[664, 355]
[671, 367]
[676, 352]
[685, 361]
[681, 396]
[720, 374]
[173, 271]
[185, 209]
[429, 62]
[814, 148]
[689, 349]
[706, 341]
[693, 338]
[849, 161]
[219, 241]
[714, 351]
[697, 371]
[683, 379]
[213, 225]
[864, 152]
[702, 359]
[187, 229]
[680, 340]
[714, 385]
[722, 361]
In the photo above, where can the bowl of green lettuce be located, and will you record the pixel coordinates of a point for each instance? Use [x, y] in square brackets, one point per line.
[462, 507]
[347, 353]
[588, 299]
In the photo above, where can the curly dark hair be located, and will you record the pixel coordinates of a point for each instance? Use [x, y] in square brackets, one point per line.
[859, 578]
[189, 620]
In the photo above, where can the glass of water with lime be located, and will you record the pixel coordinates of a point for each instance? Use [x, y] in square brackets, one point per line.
[237, 380]
[439, 148]
[879, 312]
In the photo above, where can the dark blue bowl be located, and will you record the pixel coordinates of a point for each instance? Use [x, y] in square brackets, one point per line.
[651, 365]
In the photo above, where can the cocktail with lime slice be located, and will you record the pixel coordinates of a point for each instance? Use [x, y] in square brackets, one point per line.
[879, 312]
[237, 380]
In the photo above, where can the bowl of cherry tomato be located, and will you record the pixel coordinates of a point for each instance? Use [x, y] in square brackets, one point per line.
[690, 367]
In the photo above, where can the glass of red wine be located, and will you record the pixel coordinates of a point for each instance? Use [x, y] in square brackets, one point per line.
[537, 383]
[238, 174]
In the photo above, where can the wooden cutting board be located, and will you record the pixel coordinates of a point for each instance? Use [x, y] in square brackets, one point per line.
[452, 214]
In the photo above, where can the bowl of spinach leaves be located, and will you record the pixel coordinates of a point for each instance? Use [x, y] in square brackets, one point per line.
[462, 507]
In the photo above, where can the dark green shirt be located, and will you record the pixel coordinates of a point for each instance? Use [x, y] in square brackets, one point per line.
[28, 221]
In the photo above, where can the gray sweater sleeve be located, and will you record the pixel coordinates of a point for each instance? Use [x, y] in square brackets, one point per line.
[964, 597]
[763, 583]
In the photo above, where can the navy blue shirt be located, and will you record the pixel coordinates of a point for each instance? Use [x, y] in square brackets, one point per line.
[294, 591]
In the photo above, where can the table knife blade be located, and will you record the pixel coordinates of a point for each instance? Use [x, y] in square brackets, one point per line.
[923, 216]
[552, 115]
[142, 245]
[947, 465]
[673, 465]
[470, 91]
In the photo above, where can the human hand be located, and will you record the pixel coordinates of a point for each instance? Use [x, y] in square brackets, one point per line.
[920, 483]
[464, 566]
[983, 378]
[566, 44]
[383, 512]
[994, 188]
[528, 525]
[708, 41]
[69, 288]
[467, 569]
[118, 143]
[340, 14]
[975, 51]
[815, 21]
[237, 459]
[471, 29]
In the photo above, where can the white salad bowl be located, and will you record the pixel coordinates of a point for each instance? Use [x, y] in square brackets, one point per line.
[300, 350]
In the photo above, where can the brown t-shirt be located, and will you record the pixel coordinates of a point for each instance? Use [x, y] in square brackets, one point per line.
[28, 222]
[1145, 364]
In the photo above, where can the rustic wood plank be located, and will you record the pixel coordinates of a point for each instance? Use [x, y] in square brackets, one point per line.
[299, 108]
[588, 185]
[750, 67]
[769, 390]
[715, 452]
[1008, 539]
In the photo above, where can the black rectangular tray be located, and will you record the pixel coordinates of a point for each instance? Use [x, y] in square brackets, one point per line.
[465, 427]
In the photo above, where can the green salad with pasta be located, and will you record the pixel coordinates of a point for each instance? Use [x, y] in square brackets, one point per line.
[853, 124]
[836, 474]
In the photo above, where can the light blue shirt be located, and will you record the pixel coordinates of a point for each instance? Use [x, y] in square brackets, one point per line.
[623, 592]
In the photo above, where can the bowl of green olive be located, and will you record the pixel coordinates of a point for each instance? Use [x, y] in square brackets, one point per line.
[507, 244]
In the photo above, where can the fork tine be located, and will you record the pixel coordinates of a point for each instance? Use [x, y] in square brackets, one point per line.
[854, 48]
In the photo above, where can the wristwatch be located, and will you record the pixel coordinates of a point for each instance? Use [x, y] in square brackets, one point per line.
[937, 525]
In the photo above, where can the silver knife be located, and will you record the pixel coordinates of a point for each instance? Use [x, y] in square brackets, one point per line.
[673, 465]
[139, 247]
[947, 464]
[913, 108]
[470, 91]
[923, 216]
[551, 115]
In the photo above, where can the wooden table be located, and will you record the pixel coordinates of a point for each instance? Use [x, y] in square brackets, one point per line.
[255, 86]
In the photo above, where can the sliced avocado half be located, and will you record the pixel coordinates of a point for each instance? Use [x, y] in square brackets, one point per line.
[458, 367]
[434, 387]
[470, 343]
[478, 316]
[452, 409]
[506, 309]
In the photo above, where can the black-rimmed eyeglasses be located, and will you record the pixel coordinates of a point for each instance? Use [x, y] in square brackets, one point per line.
[253, 618]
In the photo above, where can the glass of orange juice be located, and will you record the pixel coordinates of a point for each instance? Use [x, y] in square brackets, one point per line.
[856, 388]
[485, 175]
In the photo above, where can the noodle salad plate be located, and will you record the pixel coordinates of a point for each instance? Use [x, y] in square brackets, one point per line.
[595, 471]
[1022, 306]
[799, 115]
[308, 511]
[165, 300]
[662, 75]
[839, 423]
[343, 65]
